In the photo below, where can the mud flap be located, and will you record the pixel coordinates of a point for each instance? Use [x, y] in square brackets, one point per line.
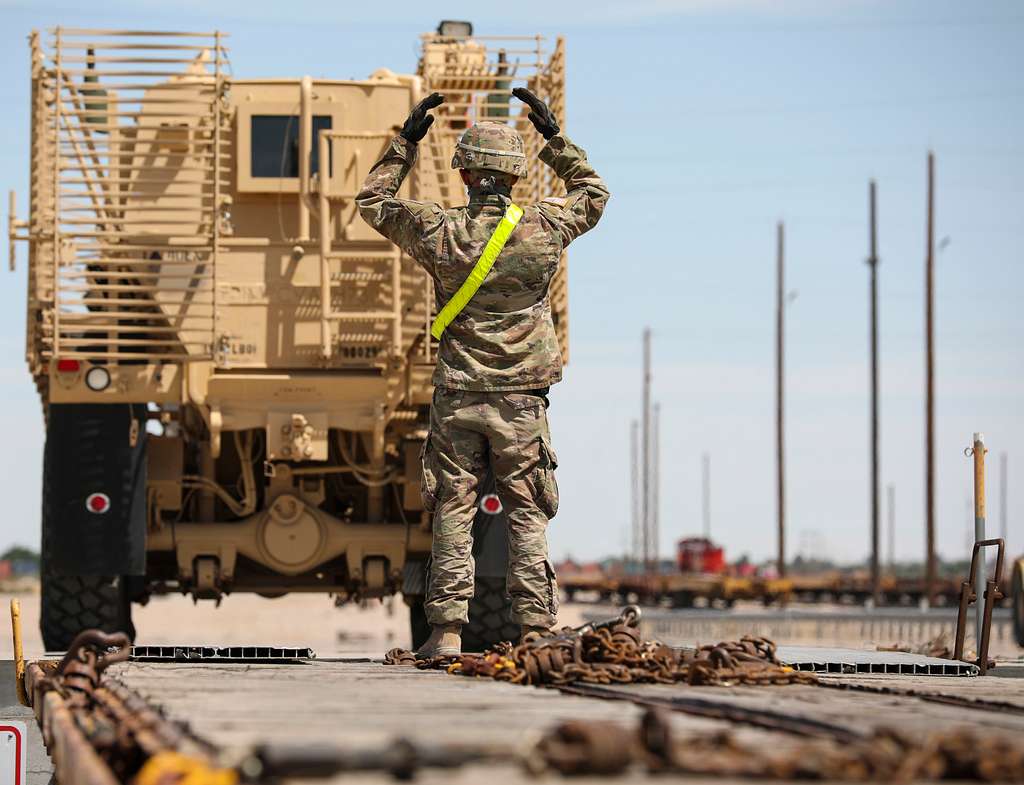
[94, 489]
[490, 538]
[490, 551]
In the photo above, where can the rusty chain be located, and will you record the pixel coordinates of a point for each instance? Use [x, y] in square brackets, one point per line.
[887, 755]
[613, 652]
[124, 731]
[78, 674]
[597, 747]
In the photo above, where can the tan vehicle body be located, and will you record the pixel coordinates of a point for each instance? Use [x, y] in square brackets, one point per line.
[282, 347]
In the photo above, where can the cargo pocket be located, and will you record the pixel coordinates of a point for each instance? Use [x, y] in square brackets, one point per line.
[428, 476]
[545, 486]
[523, 401]
[552, 587]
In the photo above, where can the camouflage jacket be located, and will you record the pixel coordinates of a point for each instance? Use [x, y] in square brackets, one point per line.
[504, 339]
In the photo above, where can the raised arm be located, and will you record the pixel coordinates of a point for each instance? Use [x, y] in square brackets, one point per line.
[409, 224]
[586, 193]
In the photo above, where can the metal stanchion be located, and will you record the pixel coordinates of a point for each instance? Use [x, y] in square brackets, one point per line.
[978, 452]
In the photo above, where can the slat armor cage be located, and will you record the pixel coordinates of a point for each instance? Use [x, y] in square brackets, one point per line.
[130, 149]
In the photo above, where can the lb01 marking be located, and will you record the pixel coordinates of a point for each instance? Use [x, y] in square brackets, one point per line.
[13, 753]
[491, 504]
[98, 503]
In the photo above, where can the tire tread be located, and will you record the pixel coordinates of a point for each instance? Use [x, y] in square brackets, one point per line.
[72, 603]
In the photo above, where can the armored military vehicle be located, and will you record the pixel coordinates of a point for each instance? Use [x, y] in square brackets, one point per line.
[234, 368]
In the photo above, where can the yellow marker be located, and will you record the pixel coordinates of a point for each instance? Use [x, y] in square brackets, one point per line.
[469, 287]
[19, 657]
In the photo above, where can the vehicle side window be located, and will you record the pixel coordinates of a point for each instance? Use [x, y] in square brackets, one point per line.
[275, 145]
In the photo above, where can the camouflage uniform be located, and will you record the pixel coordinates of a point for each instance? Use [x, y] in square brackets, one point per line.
[501, 347]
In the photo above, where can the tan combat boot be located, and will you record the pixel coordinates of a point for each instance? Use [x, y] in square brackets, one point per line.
[533, 631]
[445, 641]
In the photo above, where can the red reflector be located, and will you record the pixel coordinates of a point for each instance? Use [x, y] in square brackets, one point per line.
[97, 503]
[68, 366]
[491, 504]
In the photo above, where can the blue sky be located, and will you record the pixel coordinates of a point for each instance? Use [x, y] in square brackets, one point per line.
[711, 121]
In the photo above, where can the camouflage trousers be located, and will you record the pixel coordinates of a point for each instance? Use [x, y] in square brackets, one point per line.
[470, 434]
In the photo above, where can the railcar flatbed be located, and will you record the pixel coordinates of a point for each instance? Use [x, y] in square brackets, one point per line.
[358, 703]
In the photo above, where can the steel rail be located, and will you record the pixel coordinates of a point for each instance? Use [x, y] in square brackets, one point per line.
[124, 207]
[86, 45]
[154, 60]
[120, 329]
[82, 31]
[95, 264]
[191, 79]
[75, 317]
[100, 274]
[766, 719]
[960, 701]
[48, 354]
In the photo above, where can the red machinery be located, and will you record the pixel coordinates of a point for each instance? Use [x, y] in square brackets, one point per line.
[699, 554]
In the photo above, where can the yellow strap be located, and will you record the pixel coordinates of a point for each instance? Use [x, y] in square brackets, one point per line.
[461, 298]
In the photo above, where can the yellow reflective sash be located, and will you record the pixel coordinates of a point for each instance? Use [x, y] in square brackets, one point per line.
[461, 298]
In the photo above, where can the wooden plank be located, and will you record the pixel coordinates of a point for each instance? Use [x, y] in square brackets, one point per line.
[361, 704]
[358, 703]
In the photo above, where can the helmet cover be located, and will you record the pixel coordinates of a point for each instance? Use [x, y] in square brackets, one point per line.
[493, 146]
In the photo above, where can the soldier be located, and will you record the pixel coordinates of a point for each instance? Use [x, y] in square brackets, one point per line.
[498, 354]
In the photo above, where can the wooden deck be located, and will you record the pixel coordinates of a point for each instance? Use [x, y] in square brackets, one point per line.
[361, 703]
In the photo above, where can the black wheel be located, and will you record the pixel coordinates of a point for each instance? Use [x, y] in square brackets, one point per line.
[1017, 601]
[682, 599]
[489, 619]
[419, 627]
[74, 603]
[93, 520]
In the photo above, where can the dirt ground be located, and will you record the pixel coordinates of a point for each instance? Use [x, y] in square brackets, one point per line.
[293, 620]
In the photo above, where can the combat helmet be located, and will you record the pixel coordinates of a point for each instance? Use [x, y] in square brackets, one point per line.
[492, 146]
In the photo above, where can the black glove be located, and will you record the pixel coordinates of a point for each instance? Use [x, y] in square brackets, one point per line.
[541, 117]
[419, 121]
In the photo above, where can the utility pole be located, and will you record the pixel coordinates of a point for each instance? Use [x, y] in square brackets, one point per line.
[892, 528]
[1003, 531]
[707, 496]
[634, 486]
[645, 451]
[655, 490]
[876, 594]
[929, 405]
[780, 305]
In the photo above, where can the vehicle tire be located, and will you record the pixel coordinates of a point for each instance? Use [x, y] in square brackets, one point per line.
[72, 603]
[490, 621]
[86, 451]
[419, 627]
[682, 599]
[1017, 601]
